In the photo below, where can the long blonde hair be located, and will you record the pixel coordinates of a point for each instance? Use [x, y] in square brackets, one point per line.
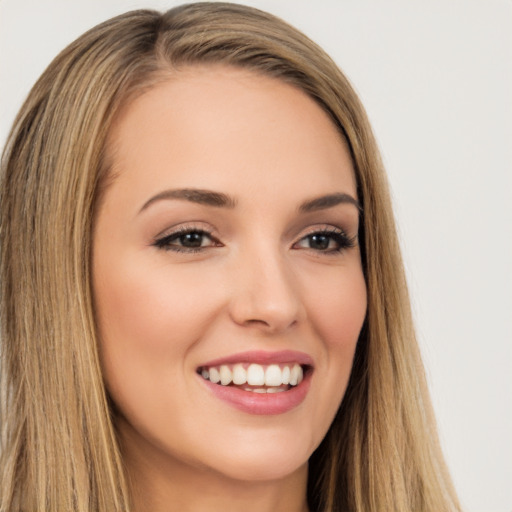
[59, 449]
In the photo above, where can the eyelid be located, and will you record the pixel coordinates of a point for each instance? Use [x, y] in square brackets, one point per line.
[164, 238]
[345, 241]
[184, 227]
[323, 228]
[161, 240]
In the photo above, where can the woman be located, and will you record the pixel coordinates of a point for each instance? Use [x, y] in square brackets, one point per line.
[201, 282]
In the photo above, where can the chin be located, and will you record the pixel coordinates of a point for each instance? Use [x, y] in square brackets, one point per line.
[263, 461]
[261, 470]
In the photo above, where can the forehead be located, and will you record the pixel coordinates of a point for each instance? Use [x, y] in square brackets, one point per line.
[212, 126]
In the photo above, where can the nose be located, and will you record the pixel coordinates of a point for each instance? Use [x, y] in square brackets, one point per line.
[265, 293]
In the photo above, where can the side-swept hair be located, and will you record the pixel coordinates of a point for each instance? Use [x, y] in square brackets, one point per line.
[59, 450]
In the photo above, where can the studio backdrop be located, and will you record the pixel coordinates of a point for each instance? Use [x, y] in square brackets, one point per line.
[436, 78]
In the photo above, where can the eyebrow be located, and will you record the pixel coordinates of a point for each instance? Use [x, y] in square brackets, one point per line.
[220, 200]
[328, 201]
[206, 197]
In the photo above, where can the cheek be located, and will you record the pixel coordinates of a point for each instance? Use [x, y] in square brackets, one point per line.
[145, 304]
[150, 316]
[338, 310]
[337, 313]
[149, 319]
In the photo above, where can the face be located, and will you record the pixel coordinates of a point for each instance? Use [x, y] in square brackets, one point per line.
[228, 284]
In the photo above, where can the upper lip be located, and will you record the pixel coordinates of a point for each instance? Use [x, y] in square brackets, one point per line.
[263, 357]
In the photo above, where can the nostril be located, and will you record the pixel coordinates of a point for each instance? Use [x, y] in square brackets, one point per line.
[256, 322]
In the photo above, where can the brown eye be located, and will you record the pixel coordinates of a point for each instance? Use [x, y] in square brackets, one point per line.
[328, 241]
[192, 239]
[320, 242]
[186, 240]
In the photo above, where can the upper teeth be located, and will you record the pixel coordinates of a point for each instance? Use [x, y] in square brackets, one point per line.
[254, 374]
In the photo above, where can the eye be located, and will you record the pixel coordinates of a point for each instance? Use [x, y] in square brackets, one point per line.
[186, 240]
[328, 241]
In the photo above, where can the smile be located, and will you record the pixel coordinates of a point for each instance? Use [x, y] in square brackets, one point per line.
[259, 382]
[257, 378]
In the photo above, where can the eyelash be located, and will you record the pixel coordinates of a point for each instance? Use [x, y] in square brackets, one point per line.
[165, 242]
[342, 240]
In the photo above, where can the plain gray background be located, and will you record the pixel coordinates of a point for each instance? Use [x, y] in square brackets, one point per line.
[436, 79]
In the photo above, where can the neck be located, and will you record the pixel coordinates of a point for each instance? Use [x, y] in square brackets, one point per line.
[162, 483]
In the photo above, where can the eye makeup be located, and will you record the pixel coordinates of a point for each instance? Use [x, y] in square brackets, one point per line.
[326, 240]
[190, 239]
[187, 239]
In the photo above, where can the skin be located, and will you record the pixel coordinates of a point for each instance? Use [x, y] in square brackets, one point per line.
[259, 283]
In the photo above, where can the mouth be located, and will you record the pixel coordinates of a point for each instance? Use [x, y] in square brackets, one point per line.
[256, 378]
[259, 382]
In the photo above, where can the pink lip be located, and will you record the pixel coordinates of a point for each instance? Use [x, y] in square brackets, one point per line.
[262, 357]
[261, 403]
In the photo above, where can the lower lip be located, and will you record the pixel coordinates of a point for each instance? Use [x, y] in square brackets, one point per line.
[261, 403]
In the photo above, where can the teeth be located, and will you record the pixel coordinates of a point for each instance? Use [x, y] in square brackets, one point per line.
[255, 375]
[273, 376]
[296, 375]
[214, 375]
[274, 390]
[265, 390]
[239, 374]
[225, 375]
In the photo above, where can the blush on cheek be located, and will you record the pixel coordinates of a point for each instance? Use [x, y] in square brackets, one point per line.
[153, 314]
[341, 312]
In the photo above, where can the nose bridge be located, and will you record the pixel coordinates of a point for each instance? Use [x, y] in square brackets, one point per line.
[265, 293]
